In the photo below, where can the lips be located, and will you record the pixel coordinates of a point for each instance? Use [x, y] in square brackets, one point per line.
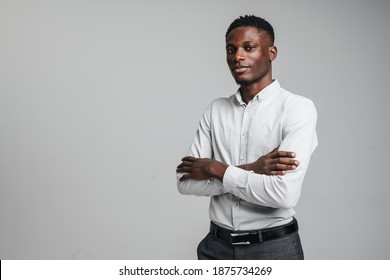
[240, 69]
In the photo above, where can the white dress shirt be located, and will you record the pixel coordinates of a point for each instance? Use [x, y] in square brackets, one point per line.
[236, 133]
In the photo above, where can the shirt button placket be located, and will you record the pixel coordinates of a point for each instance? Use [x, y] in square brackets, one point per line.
[242, 160]
[243, 140]
[235, 212]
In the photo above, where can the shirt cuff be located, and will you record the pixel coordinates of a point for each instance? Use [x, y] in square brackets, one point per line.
[218, 186]
[231, 177]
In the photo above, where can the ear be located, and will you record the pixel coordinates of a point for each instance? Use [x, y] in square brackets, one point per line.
[272, 52]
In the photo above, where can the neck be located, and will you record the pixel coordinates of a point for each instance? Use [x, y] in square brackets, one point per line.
[249, 91]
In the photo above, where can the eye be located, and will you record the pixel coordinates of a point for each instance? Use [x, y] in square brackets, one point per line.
[230, 51]
[249, 48]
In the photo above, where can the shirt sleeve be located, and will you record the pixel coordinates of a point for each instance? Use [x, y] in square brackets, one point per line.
[201, 147]
[299, 136]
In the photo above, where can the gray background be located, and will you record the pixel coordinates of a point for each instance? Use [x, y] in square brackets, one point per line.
[99, 100]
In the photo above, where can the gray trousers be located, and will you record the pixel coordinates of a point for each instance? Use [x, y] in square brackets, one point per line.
[288, 247]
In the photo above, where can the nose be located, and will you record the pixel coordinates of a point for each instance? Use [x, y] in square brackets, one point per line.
[239, 55]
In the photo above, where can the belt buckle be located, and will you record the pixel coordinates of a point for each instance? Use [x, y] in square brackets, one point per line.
[236, 236]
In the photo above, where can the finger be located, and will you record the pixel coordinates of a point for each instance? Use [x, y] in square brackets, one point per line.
[184, 169]
[284, 160]
[283, 154]
[188, 158]
[185, 163]
[280, 166]
[279, 172]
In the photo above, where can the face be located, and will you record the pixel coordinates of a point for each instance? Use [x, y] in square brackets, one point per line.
[249, 53]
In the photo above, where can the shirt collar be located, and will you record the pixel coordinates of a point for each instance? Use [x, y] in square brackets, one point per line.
[263, 94]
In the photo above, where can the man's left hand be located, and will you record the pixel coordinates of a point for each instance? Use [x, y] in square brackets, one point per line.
[200, 168]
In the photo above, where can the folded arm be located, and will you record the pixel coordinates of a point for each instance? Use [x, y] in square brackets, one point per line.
[274, 180]
[274, 163]
[298, 135]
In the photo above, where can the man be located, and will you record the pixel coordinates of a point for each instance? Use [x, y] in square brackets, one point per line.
[250, 154]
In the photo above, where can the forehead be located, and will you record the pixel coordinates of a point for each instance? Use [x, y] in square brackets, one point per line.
[246, 34]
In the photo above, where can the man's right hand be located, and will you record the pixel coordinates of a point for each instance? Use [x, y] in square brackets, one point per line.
[274, 163]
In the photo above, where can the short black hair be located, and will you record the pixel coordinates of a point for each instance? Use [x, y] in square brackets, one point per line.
[254, 21]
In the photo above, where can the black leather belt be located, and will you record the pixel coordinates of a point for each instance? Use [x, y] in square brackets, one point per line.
[253, 236]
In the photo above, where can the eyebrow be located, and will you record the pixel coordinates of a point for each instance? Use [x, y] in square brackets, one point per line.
[246, 42]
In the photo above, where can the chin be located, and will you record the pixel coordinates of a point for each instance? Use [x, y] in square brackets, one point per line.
[243, 82]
